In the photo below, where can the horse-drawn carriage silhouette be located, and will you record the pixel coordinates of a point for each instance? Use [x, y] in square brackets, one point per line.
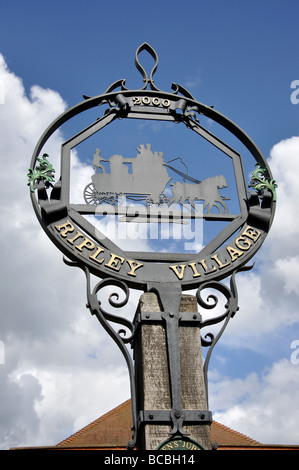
[141, 179]
[144, 179]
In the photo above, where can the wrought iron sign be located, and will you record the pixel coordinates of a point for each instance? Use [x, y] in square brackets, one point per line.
[156, 187]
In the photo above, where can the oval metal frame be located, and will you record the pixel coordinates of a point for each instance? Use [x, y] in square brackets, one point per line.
[259, 213]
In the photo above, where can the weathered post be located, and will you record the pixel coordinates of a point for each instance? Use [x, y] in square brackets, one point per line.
[153, 384]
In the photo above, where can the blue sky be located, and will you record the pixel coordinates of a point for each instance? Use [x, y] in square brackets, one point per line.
[240, 57]
[227, 53]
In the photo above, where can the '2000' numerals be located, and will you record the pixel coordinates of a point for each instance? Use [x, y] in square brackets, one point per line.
[147, 101]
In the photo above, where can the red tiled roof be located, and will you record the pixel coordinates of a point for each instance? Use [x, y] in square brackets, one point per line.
[113, 430]
[110, 430]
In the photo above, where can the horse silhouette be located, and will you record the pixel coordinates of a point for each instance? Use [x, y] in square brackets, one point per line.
[207, 191]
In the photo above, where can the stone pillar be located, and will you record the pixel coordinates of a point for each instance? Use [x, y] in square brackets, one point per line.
[152, 373]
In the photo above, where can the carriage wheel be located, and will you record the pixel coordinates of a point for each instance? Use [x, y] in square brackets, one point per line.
[91, 196]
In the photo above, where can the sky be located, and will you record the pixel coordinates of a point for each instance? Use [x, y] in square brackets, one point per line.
[58, 369]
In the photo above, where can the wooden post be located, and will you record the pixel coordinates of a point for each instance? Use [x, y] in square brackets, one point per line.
[152, 373]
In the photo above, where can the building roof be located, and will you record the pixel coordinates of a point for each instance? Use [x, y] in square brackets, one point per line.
[113, 431]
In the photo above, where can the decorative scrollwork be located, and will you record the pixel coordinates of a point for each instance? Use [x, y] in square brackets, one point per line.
[96, 308]
[211, 302]
[148, 80]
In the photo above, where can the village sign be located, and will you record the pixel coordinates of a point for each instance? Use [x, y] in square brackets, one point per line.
[161, 189]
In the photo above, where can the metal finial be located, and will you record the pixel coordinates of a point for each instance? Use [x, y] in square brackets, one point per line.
[152, 52]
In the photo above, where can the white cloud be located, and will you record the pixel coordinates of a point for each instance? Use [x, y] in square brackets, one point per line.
[287, 270]
[269, 293]
[58, 361]
[18, 417]
[284, 163]
[262, 407]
